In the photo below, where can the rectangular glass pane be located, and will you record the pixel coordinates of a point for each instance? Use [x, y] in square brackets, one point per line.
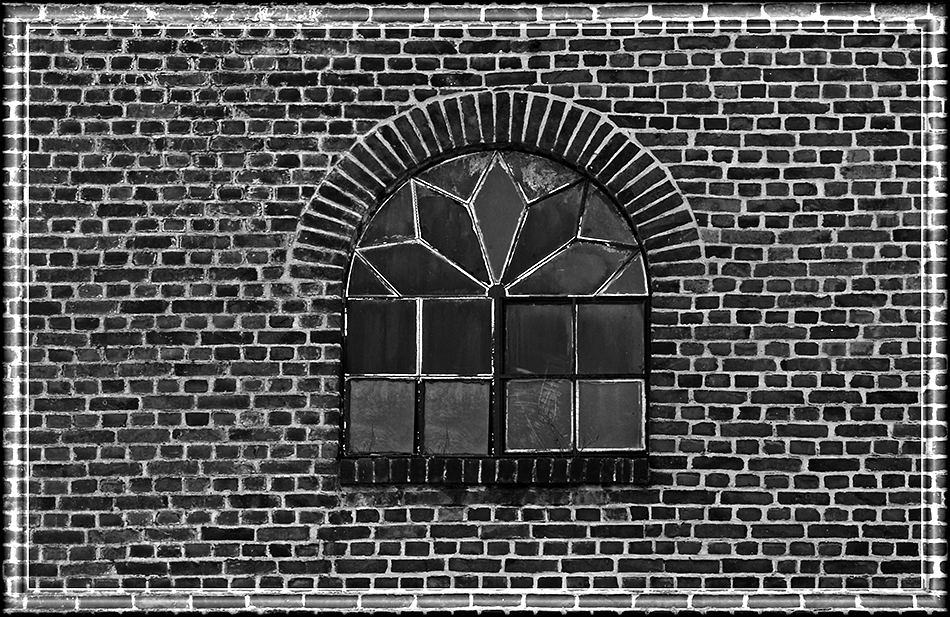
[456, 417]
[538, 414]
[538, 339]
[381, 336]
[610, 339]
[381, 416]
[610, 415]
[456, 337]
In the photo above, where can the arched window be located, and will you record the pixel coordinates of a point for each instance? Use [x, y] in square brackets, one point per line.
[497, 304]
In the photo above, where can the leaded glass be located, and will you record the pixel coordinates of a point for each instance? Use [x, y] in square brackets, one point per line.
[537, 177]
[496, 283]
[539, 414]
[394, 222]
[603, 221]
[380, 416]
[498, 208]
[459, 175]
[609, 339]
[447, 226]
[548, 225]
[456, 337]
[609, 415]
[415, 270]
[456, 417]
[580, 268]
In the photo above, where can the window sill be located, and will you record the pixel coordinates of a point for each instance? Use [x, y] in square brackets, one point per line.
[535, 470]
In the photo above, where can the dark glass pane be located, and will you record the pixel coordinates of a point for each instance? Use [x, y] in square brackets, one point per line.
[458, 176]
[447, 226]
[538, 339]
[631, 280]
[610, 339]
[363, 281]
[456, 337]
[381, 416]
[581, 268]
[603, 221]
[393, 222]
[538, 414]
[381, 336]
[414, 270]
[498, 208]
[610, 415]
[538, 176]
[456, 417]
[548, 224]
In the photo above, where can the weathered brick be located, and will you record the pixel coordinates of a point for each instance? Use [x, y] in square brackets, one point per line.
[187, 270]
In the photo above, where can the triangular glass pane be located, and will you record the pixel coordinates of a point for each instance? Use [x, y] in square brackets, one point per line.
[548, 224]
[538, 176]
[602, 220]
[498, 208]
[393, 222]
[447, 226]
[414, 270]
[363, 281]
[580, 269]
[632, 280]
[458, 176]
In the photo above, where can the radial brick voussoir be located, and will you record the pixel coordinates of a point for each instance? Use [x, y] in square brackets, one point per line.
[442, 127]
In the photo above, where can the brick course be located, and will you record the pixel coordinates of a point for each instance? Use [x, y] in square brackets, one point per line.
[196, 184]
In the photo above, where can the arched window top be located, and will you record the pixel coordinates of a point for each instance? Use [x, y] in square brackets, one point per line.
[522, 224]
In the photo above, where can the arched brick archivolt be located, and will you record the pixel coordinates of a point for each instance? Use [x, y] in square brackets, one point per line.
[447, 126]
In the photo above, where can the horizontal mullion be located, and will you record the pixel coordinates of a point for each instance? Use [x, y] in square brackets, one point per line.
[416, 376]
[559, 299]
[407, 297]
[535, 454]
[577, 377]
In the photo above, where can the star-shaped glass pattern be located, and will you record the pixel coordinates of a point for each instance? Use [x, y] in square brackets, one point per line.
[524, 222]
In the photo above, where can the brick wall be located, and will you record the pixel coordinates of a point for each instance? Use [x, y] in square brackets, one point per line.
[183, 403]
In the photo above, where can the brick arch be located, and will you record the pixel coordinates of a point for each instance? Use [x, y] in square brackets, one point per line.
[446, 126]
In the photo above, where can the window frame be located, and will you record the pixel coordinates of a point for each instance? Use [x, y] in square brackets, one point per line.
[497, 421]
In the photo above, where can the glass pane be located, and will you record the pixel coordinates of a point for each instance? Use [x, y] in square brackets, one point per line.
[548, 224]
[381, 416]
[581, 268]
[498, 208]
[393, 222]
[610, 339]
[538, 176]
[631, 280]
[456, 417]
[447, 226]
[456, 336]
[538, 414]
[381, 336]
[603, 221]
[414, 270]
[458, 176]
[610, 415]
[363, 281]
[538, 339]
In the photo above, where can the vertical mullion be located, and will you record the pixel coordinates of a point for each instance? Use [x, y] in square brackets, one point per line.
[418, 416]
[574, 390]
[647, 356]
[496, 425]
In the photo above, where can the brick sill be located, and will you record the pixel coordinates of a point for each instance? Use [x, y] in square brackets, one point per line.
[506, 471]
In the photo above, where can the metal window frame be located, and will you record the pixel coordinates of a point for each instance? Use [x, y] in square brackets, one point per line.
[497, 421]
